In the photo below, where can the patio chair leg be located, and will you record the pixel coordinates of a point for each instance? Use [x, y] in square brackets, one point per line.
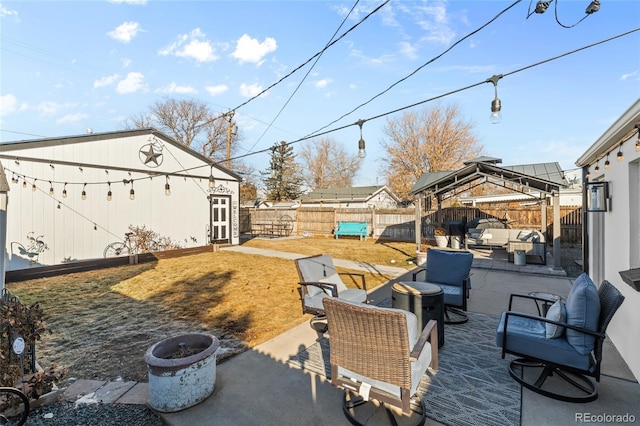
[460, 314]
[348, 408]
[319, 323]
[585, 388]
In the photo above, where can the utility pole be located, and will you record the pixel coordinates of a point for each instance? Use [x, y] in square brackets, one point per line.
[232, 129]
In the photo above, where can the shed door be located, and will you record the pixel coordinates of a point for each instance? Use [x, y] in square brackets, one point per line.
[220, 219]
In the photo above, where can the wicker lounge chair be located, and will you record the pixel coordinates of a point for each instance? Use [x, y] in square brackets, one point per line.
[378, 353]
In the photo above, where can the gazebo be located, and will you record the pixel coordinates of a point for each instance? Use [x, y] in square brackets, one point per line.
[545, 178]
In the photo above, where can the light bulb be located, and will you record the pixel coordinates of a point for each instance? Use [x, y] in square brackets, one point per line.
[167, 189]
[620, 155]
[50, 188]
[64, 190]
[84, 194]
[496, 115]
[361, 150]
[212, 182]
[607, 163]
[109, 195]
[132, 194]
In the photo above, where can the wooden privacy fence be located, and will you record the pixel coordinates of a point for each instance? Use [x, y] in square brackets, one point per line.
[399, 224]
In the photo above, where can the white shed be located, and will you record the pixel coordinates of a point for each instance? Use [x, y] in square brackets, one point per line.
[72, 196]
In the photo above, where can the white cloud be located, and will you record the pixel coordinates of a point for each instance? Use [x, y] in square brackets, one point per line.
[72, 118]
[125, 32]
[48, 108]
[217, 90]
[250, 90]
[7, 12]
[408, 50]
[106, 80]
[321, 84]
[136, 2]
[434, 20]
[251, 50]
[193, 46]
[8, 104]
[629, 75]
[126, 62]
[174, 88]
[133, 82]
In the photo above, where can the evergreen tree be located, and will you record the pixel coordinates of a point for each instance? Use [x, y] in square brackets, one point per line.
[284, 179]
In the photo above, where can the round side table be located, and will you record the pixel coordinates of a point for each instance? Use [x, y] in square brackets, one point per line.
[425, 300]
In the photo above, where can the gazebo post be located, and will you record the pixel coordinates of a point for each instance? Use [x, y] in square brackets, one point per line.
[418, 222]
[557, 261]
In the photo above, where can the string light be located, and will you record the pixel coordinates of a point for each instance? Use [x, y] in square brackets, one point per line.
[132, 193]
[638, 141]
[361, 149]
[84, 192]
[167, 187]
[24, 183]
[496, 104]
[64, 190]
[50, 188]
[109, 194]
[607, 163]
[588, 174]
[33, 187]
[597, 169]
[620, 155]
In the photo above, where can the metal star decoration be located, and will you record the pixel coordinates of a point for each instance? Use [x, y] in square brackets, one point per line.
[151, 154]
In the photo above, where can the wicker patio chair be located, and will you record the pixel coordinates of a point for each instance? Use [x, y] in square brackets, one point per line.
[559, 350]
[380, 354]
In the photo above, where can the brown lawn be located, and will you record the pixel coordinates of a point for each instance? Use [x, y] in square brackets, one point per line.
[102, 322]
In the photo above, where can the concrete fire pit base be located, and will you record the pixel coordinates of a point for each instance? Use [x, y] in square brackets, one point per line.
[177, 379]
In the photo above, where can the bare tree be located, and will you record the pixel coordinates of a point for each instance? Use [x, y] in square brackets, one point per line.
[431, 140]
[326, 164]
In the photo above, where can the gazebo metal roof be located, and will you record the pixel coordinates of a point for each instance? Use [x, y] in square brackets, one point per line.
[544, 177]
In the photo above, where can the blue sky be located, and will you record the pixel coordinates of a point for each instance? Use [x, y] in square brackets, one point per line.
[66, 66]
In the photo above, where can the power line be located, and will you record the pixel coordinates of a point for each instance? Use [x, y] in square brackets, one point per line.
[315, 134]
[303, 78]
[420, 67]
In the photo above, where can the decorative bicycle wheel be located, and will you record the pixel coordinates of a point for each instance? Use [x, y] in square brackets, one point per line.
[116, 249]
[14, 407]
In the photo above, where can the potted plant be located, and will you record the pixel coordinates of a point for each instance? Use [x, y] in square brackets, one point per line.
[441, 237]
[182, 371]
[421, 253]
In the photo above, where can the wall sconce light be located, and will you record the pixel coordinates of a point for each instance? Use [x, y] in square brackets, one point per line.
[109, 193]
[607, 163]
[496, 104]
[361, 149]
[167, 187]
[212, 182]
[598, 197]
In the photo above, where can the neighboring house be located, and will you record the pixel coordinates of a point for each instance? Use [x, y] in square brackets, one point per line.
[378, 197]
[71, 196]
[612, 237]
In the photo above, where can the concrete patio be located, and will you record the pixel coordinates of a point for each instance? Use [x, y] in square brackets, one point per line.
[259, 387]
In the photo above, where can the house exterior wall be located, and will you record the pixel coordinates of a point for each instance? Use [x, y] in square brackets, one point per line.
[614, 238]
[76, 229]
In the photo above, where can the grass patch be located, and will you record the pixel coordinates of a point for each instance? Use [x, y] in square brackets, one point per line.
[102, 322]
